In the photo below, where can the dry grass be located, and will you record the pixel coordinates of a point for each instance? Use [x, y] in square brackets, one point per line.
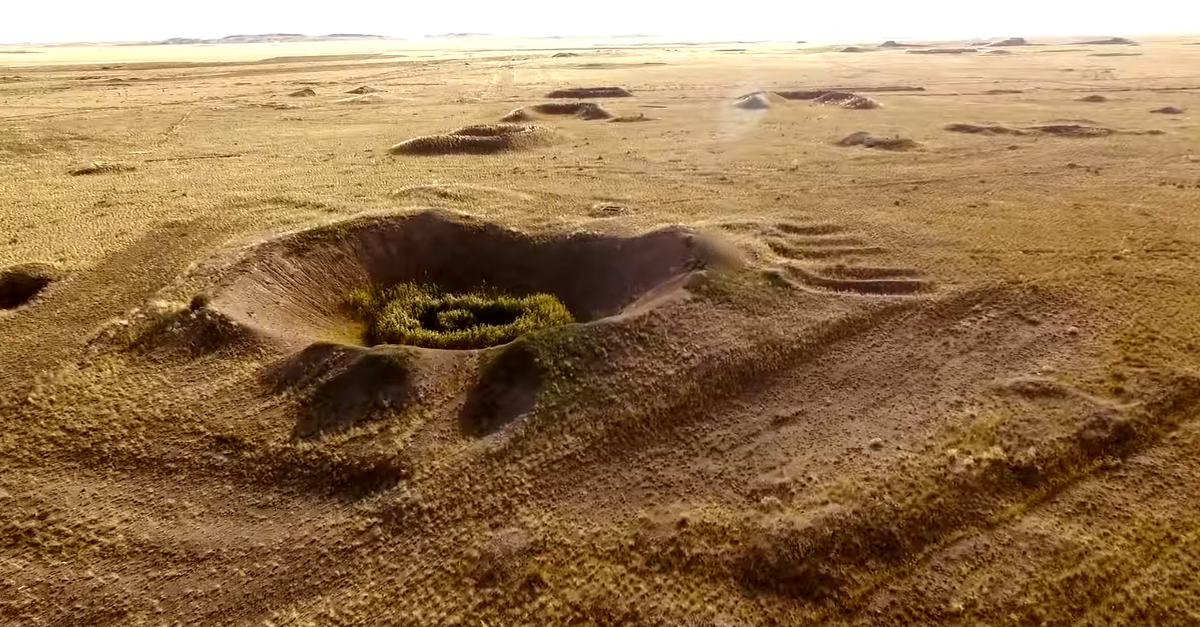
[946, 386]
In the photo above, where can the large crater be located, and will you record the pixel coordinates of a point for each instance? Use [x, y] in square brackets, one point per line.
[293, 289]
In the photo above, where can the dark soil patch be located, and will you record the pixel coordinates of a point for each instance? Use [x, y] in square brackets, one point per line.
[365, 89]
[22, 283]
[1168, 110]
[590, 92]
[307, 92]
[1093, 98]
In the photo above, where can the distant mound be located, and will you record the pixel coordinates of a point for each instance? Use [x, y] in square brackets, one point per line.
[563, 55]
[867, 140]
[995, 52]
[307, 92]
[1057, 130]
[854, 49]
[365, 89]
[361, 100]
[479, 139]
[21, 283]
[1168, 110]
[590, 92]
[1111, 41]
[983, 129]
[1010, 42]
[581, 110]
[1092, 98]
[939, 51]
[846, 100]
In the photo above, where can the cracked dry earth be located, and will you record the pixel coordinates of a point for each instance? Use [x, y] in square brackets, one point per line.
[808, 384]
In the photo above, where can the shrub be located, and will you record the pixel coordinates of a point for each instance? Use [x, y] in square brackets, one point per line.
[425, 316]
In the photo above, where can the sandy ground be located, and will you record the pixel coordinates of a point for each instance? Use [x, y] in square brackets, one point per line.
[950, 383]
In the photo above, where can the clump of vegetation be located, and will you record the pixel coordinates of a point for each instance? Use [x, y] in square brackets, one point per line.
[425, 316]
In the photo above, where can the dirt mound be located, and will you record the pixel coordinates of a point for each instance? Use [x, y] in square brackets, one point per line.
[478, 139]
[581, 110]
[293, 289]
[1010, 42]
[100, 167]
[846, 100]
[1111, 41]
[996, 52]
[854, 49]
[361, 100]
[307, 92]
[590, 92]
[940, 51]
[563, 55]
[1073, 130]
[983, 129]
[341, 387]
[1168, 110]
[753, 102]
[1093, 98]
[365, 89]
[20, 284]
[868, 140]
[641, 117]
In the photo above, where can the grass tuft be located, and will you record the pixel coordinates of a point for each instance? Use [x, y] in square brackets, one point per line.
[425, 316]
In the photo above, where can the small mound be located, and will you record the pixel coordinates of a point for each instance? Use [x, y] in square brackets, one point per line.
[985, 129]
[1168, 110]
[853, 49]
[940, 51]
[753, 102]
[1073, 130]
[641, 117]
[563, 55]
[868, 140]
[365, 89]
[361, 100]
[22, 283]
[507, 387]
[344, 386]
[425, 316]
[100, 167]
[581, 110]
[1111, 41]
[846, 100]
[479, 139]
[997, 52]
[1092, 98]
[1010, 42]
[307, 92]
[1003, 92]
[590, 92]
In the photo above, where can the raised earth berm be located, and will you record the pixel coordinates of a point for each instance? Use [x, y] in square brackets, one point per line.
[294, 290]
[581, 110]
[477, 139]
[590, 92]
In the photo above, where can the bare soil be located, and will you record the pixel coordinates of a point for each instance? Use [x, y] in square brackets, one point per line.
[808, 384]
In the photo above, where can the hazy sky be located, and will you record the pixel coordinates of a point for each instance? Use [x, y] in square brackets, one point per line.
[126, 20]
